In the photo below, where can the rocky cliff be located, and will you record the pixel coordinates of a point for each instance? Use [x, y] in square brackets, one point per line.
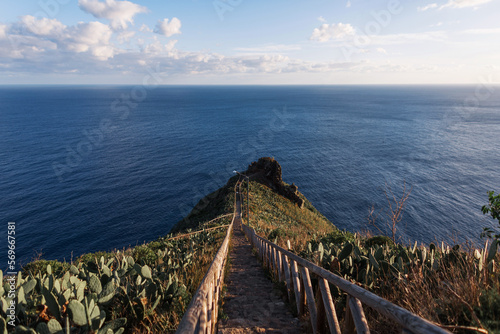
[268, 172]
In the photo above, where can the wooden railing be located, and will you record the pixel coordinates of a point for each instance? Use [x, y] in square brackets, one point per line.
[217, 218]
[295, 272]
[196, 232]
[201, 314]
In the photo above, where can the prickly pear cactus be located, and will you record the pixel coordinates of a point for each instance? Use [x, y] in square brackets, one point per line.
[109, 293]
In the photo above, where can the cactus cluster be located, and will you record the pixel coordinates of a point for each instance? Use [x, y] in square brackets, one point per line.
[368, 263]
[106, 296]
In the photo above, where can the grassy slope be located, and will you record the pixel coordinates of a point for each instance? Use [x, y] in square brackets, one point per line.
[277, 218]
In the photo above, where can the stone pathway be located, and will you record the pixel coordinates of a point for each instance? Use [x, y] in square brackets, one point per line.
[251, 302]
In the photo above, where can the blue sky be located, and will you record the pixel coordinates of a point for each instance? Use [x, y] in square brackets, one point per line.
[249, 42]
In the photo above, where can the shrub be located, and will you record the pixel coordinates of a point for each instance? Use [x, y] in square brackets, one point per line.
[85, 258]
[40, 266]
[144, 255]
[337, 237]
[493, 209]
[378, 240]
[276, 233]
[489, 309]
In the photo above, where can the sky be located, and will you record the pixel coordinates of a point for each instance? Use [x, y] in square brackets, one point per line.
[249, 42]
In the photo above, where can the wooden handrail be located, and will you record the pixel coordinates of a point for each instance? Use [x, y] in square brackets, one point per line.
[201, 314]
[196, 232]
[357, 295]
[226, 215]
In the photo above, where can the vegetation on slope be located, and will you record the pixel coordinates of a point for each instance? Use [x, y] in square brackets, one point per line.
[456, 286]
[147, 288]
[278, 219]
[141, 289]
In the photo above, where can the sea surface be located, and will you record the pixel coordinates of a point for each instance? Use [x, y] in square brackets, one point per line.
[87, 168]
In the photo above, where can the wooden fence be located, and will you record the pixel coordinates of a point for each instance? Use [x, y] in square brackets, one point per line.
[295, 272]
[201, 314]
[199, 231]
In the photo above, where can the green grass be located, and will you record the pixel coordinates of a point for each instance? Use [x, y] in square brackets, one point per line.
[278, 219]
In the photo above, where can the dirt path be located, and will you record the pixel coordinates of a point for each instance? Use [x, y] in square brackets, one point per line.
[251, 303]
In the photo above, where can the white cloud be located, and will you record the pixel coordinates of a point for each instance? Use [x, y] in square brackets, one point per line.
[454, 4]
[93, 37]
[145, 28]
[125, 36]
[464, 3]
[321, 19]
[158, 48]
[3, 31]
[170, 46]
[486, 31]
[348, 4]
[31, 36]
[166, 28]
[382, 50]
[43, 26]
[427, 7]
[346, 34]
[119, 13]
[25, 47]
[103, 52]
[332, 31]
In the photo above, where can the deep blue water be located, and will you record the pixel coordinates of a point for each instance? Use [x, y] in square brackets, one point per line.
[86, 168]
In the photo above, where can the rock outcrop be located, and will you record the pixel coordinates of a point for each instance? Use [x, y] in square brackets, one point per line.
[268, 172]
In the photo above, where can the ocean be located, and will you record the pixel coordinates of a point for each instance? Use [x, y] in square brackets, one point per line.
[87, 168]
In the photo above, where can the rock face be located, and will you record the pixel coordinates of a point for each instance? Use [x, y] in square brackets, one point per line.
[268, 172]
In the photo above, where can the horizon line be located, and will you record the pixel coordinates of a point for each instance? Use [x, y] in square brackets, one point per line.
[247, 85]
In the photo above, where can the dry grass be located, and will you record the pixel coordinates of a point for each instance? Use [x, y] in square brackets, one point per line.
[458, 294]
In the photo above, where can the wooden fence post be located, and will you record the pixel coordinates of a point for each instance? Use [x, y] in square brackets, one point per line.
[296, 283]
[308, 291]
[358, 316]
[217, 295]
[281, 277]
[288, 280]
[348, 321]
[272, 268]
[261, 248]
[303, 296]
[276, 264]
[209, 307]
[203, 318]
[330, 311]
[320, 308]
